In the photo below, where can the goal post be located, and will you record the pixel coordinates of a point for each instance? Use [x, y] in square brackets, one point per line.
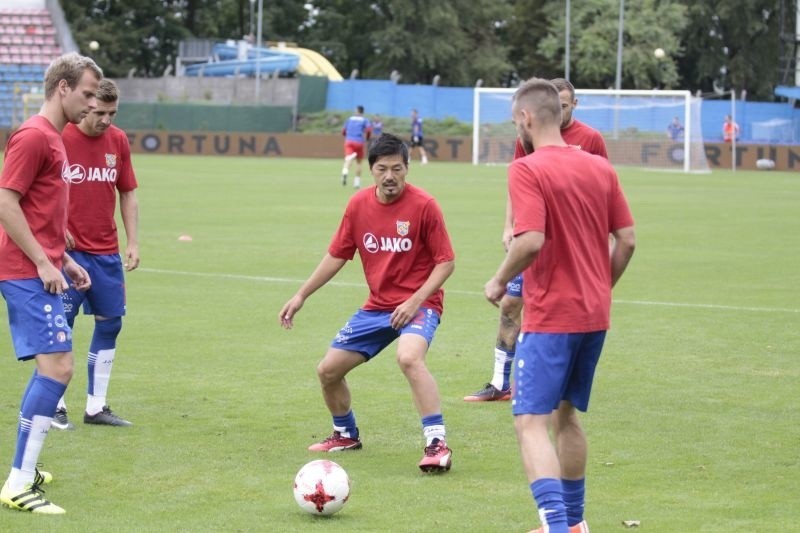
[632, 122]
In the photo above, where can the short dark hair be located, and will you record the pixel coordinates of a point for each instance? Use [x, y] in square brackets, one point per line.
[386, 145]
[360, 108]
[107, 91]
[563, 84]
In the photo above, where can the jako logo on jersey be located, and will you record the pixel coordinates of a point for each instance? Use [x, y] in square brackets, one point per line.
[78, 174]
[402, 227]
[386, 244]
[65, 172]
[111, 160]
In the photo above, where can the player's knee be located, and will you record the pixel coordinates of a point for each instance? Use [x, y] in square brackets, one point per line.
[408, 361]
[108, 328]
[328, 373]
[511, 307]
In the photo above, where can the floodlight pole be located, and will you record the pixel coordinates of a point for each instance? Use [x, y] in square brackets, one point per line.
[566, 43]
[618, 81]
[733, 127]
[258, 51]
[252, 18]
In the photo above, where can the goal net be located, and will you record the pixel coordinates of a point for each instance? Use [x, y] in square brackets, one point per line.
[633, 124]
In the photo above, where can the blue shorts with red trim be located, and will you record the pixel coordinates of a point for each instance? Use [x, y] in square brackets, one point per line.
[369, 332]
[551, 367]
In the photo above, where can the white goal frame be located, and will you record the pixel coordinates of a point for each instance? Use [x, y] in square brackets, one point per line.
[691, 129]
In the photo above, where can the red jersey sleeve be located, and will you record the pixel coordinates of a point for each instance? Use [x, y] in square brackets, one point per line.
[527, 200]
[436, 237]
[25, 155]
[126, 181]
[342, 244]
[619, 212]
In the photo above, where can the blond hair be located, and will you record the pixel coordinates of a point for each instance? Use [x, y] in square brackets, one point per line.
[68, 67]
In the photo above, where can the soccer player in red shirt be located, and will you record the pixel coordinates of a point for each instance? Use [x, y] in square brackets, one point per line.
[565, 203]
[575, 133]
[33, 221]
[100, 167]
[399, 233]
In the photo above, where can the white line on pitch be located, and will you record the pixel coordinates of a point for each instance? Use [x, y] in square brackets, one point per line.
[468, 293]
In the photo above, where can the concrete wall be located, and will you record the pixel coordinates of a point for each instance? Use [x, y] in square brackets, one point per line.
[237, 91]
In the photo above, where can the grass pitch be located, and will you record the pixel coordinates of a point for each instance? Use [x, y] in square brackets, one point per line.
[693, 424]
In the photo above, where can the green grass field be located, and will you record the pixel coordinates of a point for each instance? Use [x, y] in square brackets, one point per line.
[693, 424]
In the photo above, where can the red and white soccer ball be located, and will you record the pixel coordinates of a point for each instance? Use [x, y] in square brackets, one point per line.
[321, 487]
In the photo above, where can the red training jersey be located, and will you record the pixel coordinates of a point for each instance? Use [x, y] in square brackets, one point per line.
[36, 167]
[577, 134]
[399, 245]
[575, 199]
[100, 166]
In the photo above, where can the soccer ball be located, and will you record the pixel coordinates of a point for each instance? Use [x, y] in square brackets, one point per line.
[321, 487]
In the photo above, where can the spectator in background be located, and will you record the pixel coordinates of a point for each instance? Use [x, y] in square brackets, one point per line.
[675, 130]
[417, 136]
[730, 129]
[377, 126]
[356, 132]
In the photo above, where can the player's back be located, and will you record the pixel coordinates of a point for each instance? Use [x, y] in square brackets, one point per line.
[575, 199]
[355, 127]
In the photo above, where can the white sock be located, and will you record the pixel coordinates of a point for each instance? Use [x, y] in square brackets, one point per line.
[104, 361]
[61, 404]
[501, 357]
[433, 432]
[357, 182]
[19, 477]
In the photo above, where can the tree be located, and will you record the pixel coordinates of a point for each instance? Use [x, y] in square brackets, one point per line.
[138, 35]
[458, 40]
[732, 45]
[522, 33]
[648, 24]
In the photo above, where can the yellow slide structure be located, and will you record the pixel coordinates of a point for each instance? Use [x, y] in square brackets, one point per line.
[311, 63]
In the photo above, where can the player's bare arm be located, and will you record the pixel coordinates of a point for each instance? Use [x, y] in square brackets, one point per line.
[16, 226]
[508, 225]
[521, 253]
[621, 252]
[327, 268]
[406, 311]
[129, 211]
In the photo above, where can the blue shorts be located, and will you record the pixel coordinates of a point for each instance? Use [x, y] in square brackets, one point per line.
[36, 318]
[551, 367]
[369, 332]
[106, 296]
[514, 287]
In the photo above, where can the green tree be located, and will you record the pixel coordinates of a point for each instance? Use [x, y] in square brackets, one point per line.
[523, 33]
[733, 45]
[648, 25]
[458, 40]
[138, 35]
